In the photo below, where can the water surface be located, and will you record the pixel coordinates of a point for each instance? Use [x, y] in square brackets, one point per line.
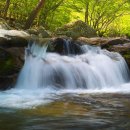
[71, 111]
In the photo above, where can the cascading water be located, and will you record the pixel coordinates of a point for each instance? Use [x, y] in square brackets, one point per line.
[94, 69]
[46, 76]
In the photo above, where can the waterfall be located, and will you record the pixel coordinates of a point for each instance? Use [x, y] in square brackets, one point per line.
[93, 69]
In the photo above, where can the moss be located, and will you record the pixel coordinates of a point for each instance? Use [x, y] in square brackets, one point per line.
[6, 63]
[126, 56]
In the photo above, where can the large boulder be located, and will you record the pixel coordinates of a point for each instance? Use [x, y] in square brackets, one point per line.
[114, 41]
[40, 32]
[13, 38]
[11, 62]
[123, 49]
[12, 44]
[92, 41]
[76, 29]
[8, 69]
[66, 46]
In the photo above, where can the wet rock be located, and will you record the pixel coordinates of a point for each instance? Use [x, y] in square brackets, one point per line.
[6, 62]
[59, 45]
[76, 29]
[17, 54]
[7, 68]
[11, 61]
[8, 81]
[65, 46]
[124, 50]
[12, 43]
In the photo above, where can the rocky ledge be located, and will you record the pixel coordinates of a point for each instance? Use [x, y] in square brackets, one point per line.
[13, 43]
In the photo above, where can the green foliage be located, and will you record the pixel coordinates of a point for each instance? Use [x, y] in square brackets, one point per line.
[107, 17]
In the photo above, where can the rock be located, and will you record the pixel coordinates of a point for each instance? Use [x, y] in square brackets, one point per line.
[14, 33]
[44, 34]
[120, 48]
[92, 41]
[7, 82]
[17, 54]
[124, 50]
[11, 61]
[114, 41]
[6, 62]
[13, 38]
[7, 65]
[41, 32]
[120, 45]
[65, 46]
[76, 29]
[12, 43]
[58, 45]
[32, 31]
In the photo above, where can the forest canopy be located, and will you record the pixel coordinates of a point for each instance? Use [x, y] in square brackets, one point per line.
[107, 17]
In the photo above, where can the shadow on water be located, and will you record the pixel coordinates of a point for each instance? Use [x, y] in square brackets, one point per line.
[72, 112]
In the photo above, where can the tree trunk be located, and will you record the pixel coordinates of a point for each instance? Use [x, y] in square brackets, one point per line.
[86, 13]
[34, 14]
[6, 8]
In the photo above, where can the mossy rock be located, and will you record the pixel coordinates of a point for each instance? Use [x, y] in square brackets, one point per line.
[6, 63]
[40, 31]
[76, 29]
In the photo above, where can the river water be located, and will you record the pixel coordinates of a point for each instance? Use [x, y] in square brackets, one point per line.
[70, 111]
[90, 91]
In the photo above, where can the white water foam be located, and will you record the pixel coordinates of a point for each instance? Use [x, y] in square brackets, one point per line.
[30, 99]
[21, 98]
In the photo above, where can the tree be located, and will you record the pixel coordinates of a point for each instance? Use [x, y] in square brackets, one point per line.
[6, 8]
[34, 14]
[99, 14]
[49, 12]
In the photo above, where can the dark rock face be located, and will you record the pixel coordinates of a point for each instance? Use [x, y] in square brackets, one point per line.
[65, 47]
[124, 50]
[6, 62]
[113, 42]
[58, 45]
[11, 57]
[7, 82]
[13, 41]
[7, 65]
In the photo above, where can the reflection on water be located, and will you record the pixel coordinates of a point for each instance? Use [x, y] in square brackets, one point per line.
[72, 112]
